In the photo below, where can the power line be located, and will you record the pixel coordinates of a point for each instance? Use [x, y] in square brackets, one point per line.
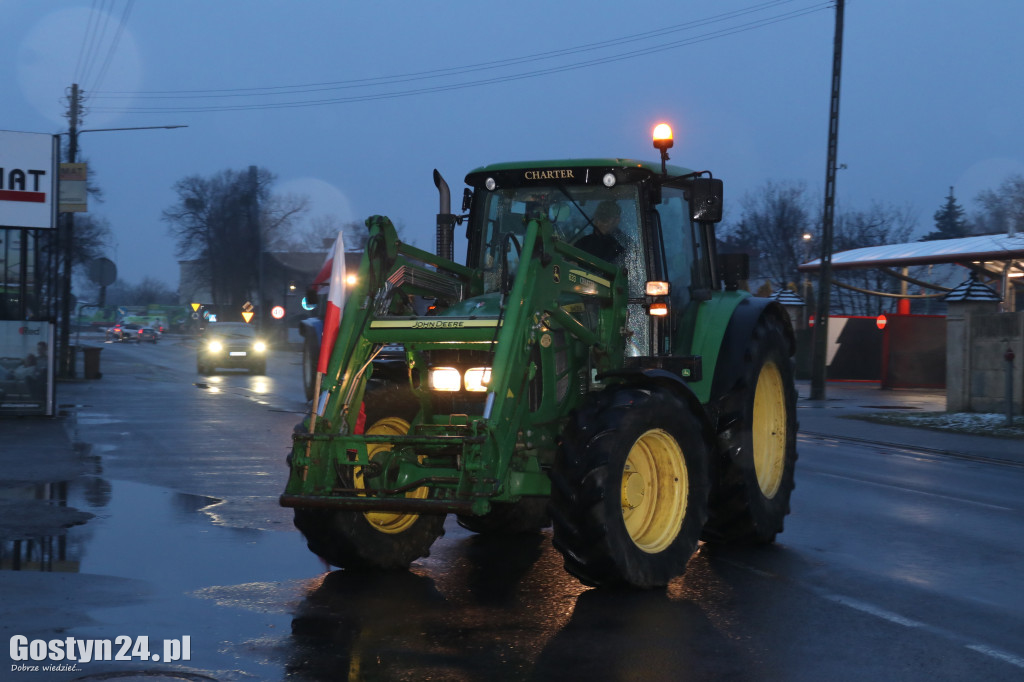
[86, 37]
[360, 83]
[97, 42]
[434, 73]
[112, 50]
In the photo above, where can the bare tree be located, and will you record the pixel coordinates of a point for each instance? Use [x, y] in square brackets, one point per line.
[879, 225]
[148, 292]
[226, 221]
[319, 234]
[771, 230]
[1002, 208]
[92, 237]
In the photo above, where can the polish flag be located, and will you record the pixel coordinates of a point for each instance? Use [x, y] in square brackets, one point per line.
[335, 304]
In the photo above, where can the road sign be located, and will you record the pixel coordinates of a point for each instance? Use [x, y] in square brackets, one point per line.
[102, 272]
[28, 180]
[277, 312]
[247, 307]
[247, 315]
[73, 195]
[195, 307]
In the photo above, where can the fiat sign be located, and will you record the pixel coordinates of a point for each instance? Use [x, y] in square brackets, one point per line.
[28, 179]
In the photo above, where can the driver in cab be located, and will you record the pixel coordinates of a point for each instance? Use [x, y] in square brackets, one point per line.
[603, 242]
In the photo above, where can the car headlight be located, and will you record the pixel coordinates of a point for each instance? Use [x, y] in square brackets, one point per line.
[215, 347]
[445, 379]
[259, 346]
[477, 379]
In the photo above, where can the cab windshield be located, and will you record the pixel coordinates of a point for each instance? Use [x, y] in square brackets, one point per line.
[600, 220]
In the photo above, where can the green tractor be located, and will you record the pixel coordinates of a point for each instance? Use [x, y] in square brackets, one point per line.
[593, 367]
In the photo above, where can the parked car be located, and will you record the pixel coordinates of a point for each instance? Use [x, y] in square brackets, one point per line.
[149, 334]
[231, 345]
[124, 332]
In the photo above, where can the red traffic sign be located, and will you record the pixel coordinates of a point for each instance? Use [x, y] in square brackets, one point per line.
[277, 312]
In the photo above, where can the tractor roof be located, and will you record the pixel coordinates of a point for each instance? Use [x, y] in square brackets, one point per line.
[529, 172]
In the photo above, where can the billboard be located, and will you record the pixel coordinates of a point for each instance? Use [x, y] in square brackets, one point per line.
[28, 179]
[26, 368]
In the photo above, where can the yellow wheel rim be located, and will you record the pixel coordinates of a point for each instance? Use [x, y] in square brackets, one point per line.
[388, 522]
[655, 488]
[768, 429]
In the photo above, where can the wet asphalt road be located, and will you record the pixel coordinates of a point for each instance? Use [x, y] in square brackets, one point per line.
[895, 565]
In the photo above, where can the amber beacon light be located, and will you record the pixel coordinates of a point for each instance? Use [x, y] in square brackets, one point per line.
[663, 142]
[663, 136]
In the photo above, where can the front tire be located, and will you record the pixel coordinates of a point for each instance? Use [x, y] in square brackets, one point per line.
[756, 443]
[383, 540]
[629, 488]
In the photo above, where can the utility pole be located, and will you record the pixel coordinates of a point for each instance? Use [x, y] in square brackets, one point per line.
[820, 338]
[65, 355]
[254, 222]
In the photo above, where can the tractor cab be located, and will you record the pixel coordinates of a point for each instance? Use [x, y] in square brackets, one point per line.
[652, 224]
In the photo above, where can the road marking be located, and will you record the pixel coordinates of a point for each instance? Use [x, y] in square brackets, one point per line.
[873, 610]
[918, 492]
[996, 653]
[889, 616]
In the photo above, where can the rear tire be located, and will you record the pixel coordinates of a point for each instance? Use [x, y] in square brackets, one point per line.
[629, 488]
[756, 443]
[383, 540]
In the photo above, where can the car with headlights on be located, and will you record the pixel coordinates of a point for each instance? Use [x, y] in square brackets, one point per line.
[231, 345]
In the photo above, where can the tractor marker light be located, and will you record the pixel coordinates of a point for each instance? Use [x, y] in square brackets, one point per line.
[608, 180]
[215, 347]
[657, 288]
[658, 309]
[477, 379]
[259, 346]
[351, 280]
[445, 379]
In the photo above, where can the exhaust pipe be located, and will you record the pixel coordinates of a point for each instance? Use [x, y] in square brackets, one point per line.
[445, 219]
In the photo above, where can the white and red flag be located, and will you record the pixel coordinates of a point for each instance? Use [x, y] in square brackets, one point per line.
[335, 304]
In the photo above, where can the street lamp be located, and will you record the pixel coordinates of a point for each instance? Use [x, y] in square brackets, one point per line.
[65, 357]
[807, 237]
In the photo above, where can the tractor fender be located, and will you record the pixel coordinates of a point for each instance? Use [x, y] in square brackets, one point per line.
[640, 376]
[737, 334]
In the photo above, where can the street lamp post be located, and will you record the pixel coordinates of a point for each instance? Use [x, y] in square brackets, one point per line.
[66, 367]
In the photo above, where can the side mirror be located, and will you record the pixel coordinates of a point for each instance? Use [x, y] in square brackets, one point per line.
[312, 298]
[467, 199]
[706, 200]
[733, 268]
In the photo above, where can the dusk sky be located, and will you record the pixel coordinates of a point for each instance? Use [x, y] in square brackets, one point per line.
[354, 104]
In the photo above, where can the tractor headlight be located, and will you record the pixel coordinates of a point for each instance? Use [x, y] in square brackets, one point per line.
[445, 379]
[259, 346]
[215, 347]
[477, 379]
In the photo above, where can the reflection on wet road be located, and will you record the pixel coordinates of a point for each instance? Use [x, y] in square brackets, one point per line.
[188, 539]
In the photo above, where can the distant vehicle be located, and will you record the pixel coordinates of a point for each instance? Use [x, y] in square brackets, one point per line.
[124, 332]
[231, 345]
[149, 334]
